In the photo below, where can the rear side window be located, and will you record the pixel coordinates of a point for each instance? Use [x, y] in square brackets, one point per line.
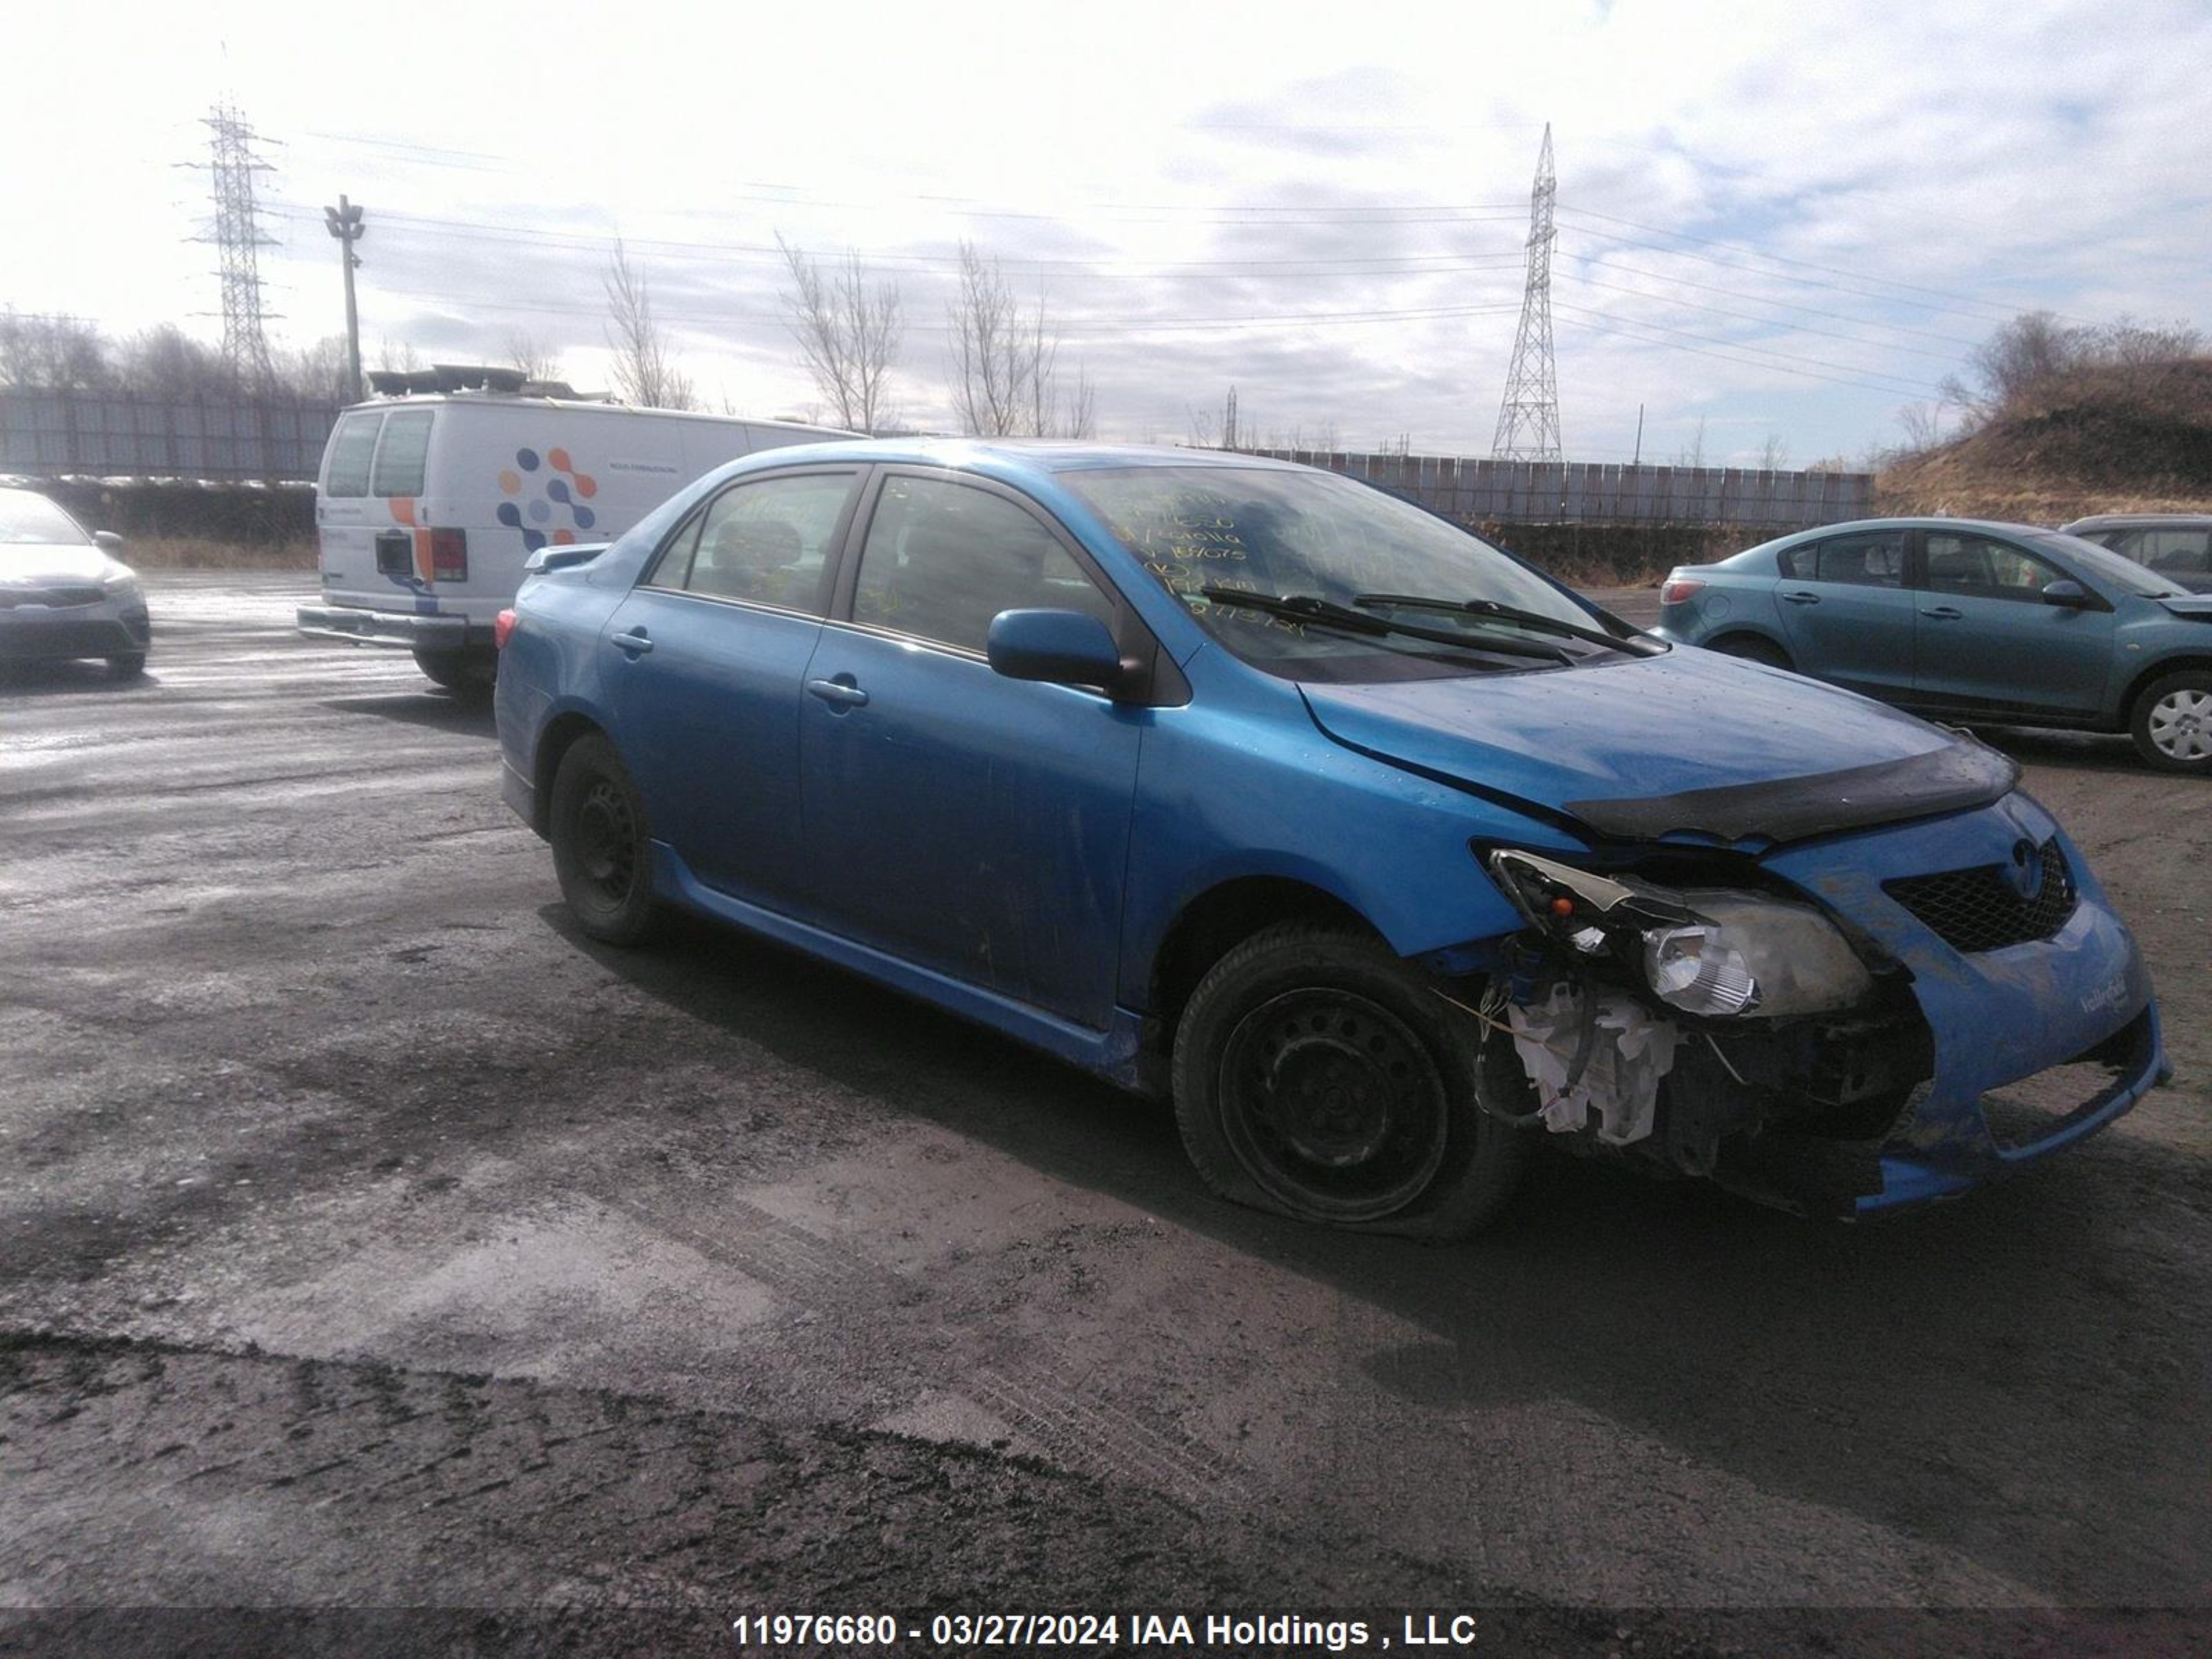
[942, 560]
[351, 446]
[2176, 552]
[767, 541]
[1871, 559]
[401, 455]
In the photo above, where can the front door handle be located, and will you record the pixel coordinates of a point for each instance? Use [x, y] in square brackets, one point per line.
[635, 643]
[1802, 599]
[1942, 613]
[840, 693]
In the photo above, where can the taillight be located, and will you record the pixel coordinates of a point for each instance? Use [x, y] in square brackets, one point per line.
[449, 556]
[1679, 590]
[502, 629]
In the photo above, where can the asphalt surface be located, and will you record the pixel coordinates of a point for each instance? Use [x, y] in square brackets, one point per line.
[373, 1240]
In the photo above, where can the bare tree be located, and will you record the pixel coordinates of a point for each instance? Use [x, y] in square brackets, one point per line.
[1774, 454]
[645, 370]
[317, 372]
[54, 353]
[165, 362]
[1693, 453]
[1923, 425]
[848, 331]
[1005, 363]
[401, 357]
[536, 361]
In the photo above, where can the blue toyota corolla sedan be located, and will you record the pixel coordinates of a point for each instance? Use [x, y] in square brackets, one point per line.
[1996, 624]
[1381, 854]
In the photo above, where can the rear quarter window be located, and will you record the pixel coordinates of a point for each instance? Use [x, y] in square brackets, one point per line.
[402, 453]
[351, 447]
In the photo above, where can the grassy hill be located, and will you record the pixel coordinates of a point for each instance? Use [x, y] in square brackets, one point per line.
[2103, 438]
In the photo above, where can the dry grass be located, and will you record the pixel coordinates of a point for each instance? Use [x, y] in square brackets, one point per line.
[2108, 439]
[206, 553]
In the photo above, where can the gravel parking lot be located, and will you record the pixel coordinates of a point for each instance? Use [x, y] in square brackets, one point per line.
[373, 1239]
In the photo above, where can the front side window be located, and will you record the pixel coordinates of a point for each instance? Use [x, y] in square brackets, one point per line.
[1298, 534]
[1975, 567]
[351, 447]
[942, 559]
[767, 541]
[402, 453]
[1873, 558]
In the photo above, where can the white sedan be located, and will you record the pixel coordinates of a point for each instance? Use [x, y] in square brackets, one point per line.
[63, 592]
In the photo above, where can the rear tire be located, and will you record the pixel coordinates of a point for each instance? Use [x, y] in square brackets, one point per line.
[458, 672]
[1318, 1076]
[127, 665]
[1753, 648]
[602, 848]
[2171, 723]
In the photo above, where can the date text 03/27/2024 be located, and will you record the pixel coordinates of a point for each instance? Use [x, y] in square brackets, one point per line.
[1198, 1632]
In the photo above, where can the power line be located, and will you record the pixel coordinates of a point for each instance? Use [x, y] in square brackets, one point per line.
[1864, 380]
[1770, 322]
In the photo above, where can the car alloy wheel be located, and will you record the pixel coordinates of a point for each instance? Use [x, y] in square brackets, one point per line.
[1333, 1104]
[2180, 725]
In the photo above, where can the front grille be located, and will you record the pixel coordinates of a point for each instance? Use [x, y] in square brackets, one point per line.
[1984, 909]
[55, 597]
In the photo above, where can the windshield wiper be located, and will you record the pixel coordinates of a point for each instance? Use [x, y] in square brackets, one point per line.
[1320, 612]
[1492, 611]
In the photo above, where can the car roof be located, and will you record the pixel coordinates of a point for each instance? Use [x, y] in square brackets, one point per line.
[1933, 521]
[2129, 521]
[1010, 460]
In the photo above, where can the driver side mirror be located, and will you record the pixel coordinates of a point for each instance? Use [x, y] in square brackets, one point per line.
[2070, 594]
[107, 541]
[1061, 648]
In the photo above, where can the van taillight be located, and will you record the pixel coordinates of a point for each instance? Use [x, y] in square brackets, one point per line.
[1679, 589]
[449, 556]
[502, 629]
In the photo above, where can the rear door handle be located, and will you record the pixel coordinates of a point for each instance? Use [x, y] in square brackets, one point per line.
[1802, 599]
[635, 643]
[1942, 613]
[839, 693]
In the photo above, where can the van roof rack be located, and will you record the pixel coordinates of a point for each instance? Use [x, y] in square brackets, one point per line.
[445, 377]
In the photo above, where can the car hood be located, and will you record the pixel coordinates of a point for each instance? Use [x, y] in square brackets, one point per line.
[1689, 743]
[51, 561]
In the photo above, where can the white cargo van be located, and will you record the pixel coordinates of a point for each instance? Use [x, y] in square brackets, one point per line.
[431, 498]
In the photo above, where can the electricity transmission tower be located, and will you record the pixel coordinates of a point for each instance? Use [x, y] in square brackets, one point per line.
[1529, 419]
[237, 239]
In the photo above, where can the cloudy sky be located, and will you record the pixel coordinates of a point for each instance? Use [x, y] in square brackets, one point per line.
[1783, 222]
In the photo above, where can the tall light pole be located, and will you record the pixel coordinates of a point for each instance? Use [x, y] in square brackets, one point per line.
[344, 222]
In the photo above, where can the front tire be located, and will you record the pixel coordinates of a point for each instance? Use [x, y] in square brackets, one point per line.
[127, 665]
[602, 848]
[1318, 1076]
[2171, 723]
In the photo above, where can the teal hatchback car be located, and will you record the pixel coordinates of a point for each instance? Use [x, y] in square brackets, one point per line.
[1970, 623]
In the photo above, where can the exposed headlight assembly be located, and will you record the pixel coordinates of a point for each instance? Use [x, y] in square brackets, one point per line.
[1718, 952]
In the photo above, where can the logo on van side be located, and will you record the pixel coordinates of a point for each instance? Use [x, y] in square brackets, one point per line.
[561, 487]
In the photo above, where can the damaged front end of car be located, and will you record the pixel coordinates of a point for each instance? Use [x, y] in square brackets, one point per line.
[1864, 1020]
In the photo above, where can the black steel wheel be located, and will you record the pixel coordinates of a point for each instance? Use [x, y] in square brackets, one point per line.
[1319, 1076]
[601, 849]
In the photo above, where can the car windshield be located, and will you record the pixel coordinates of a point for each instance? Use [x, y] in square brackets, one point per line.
[2102, 564]
[27, 516]
[1316, 536]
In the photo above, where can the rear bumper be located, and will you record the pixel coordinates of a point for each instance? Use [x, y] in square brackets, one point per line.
[394, 628]
[97, 630]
